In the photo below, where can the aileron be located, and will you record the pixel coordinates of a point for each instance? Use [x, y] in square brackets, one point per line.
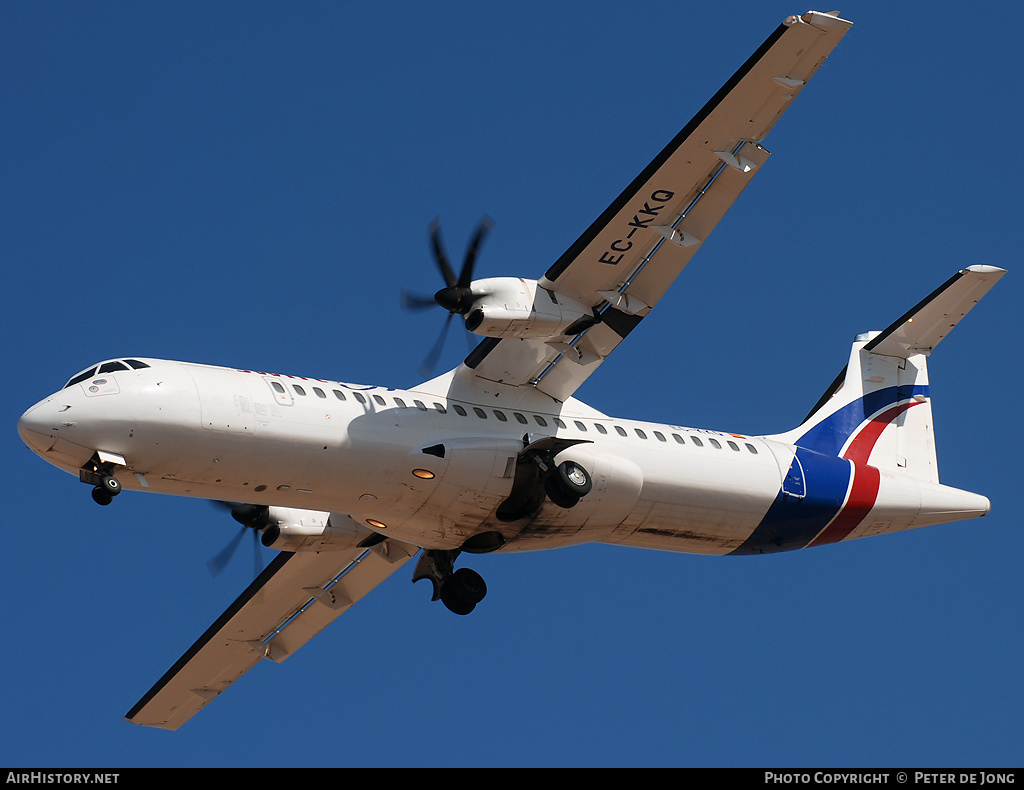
[634, 251]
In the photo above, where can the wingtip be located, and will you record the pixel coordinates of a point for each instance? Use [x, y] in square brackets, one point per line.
[821, 18]
[981, 268]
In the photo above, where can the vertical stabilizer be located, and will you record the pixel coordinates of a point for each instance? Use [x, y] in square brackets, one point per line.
[878, 410]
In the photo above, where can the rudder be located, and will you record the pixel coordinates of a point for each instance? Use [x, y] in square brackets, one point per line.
[885, 383]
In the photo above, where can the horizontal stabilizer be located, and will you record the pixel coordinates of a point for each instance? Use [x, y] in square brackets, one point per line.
[925, 324]
[878, 410]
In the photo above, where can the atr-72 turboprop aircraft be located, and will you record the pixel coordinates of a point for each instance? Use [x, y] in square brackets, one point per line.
[349, 482]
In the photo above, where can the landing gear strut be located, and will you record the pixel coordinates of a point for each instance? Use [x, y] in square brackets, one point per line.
[537, 475]
[100, 475]
[459, 590]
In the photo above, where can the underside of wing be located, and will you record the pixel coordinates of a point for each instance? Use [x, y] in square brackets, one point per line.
[295, 597]
[623, 264]
[921, 329]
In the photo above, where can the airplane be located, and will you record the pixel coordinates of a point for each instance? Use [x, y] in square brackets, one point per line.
[349, 482]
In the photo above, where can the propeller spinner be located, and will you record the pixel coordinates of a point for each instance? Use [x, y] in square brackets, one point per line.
[457, 296]
[254, 517]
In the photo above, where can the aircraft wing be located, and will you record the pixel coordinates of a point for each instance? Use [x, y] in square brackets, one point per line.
[288, 604]
[627, 259]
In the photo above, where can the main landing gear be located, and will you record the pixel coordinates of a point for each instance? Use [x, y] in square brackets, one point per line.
[100, 475]
[536, 475]
[567, 484]
[459, 590]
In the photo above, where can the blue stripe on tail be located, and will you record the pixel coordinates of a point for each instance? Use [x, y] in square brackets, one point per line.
[793, 521]
[831, 434]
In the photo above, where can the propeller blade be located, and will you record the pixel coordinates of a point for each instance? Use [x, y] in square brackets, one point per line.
[413, 302]
[257, 554]
[219, 562]
[466, 275]
[430, 362]
[252, 518]
[456, 297]
[439, 254]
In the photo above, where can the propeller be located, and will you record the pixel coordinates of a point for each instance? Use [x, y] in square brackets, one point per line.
[254, 517]
[457, 295]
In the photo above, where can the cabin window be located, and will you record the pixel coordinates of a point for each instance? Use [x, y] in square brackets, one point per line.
[540, 420]
[659, 436]
[459, 410]
[640, 433]
[439, 407]
[480, 412]
[580, 425]
[299, 390]
[558, 422]
[278, 387]
[678, 438]
[420, 405]
[620, 430]
[339, 394]
[696, 441]
[319, 392]
[500, 416]
[715, 443]
[752, 449]
[400, 402]
[520, 418]
[379, 400]
[600, 428]
[734, 446]
[359, 397]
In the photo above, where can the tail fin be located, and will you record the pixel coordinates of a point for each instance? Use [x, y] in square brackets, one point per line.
[886, 383]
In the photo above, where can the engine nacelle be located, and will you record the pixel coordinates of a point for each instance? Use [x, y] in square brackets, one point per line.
[291, 529]
[513, 307]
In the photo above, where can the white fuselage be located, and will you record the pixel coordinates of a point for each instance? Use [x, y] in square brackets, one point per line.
[323, 446]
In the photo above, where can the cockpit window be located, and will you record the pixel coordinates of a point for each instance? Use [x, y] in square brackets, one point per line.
[88, 374]
[106, 367]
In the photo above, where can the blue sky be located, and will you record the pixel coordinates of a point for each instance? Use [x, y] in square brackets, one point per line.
[250, 184]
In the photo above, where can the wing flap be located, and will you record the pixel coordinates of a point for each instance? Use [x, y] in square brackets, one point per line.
[295, 597]
[644, 239]
[325, 606]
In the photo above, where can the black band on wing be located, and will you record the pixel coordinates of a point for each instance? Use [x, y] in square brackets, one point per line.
[621, 323]
[630, 192]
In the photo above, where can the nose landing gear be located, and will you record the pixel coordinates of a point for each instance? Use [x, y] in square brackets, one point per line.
[106, 490]
[100, 475]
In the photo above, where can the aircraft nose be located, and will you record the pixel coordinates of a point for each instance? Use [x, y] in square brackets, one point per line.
[35, 426]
